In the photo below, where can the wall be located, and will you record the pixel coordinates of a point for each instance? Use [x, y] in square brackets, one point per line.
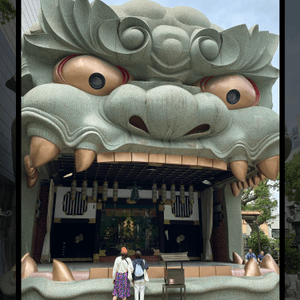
[219, 237]
[7, 115]
[40, 226]
[8, 97]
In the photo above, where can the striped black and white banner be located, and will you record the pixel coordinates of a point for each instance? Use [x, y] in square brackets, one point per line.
[182, 209]
[74, 207]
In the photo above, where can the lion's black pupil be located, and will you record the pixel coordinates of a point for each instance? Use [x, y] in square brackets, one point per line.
[233, 96]
[97, 81]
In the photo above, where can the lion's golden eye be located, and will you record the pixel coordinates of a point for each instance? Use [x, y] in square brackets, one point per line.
[90, 74]
[236, 91]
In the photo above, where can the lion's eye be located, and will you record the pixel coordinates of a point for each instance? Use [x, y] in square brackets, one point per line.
[97, 81]
[233, 96]
[236, 91]
[90, 74]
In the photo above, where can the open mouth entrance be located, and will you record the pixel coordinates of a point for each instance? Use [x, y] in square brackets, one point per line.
[130, 218]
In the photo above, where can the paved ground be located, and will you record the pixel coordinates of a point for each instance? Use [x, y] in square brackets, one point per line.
[290, 293]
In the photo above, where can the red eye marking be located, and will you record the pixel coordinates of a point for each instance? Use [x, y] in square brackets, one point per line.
[125, 74]
[257, 92]
[205, 80]
[60, 66]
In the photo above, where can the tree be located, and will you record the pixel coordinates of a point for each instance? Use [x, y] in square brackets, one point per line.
[292, 179]
[292, 255]
[260, 199]
[7, 11]
[264, 242]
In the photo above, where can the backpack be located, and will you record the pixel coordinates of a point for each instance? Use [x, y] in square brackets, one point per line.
[139, 271]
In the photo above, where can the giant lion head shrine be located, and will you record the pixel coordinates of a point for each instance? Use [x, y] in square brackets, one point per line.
[141, 125]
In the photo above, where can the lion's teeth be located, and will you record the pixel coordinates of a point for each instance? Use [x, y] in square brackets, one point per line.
[269, 167]
[245, 184]
[42, 151]
[261, 176]
[250, 182]
[239, 169]
[251, 268]
[61, 272]
[83, 159]
[157, 158]
[28, 266]
[219, 164]
[236, 258]
[32, 173]
[105, 157]
[235, 189]
[123, 157]
[240, 185]
[256, 180]
[268, 262]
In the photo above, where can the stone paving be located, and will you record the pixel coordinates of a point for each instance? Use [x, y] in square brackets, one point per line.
[291, 291]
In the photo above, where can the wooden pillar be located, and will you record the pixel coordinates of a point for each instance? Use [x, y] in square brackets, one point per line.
[161, 229]
[97, 233]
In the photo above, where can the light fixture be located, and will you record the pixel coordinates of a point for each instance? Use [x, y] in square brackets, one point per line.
[191, 194]
[83, 191]
[182, 194]
[73, 190]
[154, 192]
[151, 168]
[95, 190]
[68, 175]
[163, 193]
[206, 182]
[115, 191]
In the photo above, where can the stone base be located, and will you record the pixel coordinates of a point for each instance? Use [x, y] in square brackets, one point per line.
[222, 287]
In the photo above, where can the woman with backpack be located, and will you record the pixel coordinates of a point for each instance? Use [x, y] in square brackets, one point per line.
[122, 273]
[138, 280]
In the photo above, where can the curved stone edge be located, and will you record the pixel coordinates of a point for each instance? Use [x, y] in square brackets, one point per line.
[84, 289]
[8, 284]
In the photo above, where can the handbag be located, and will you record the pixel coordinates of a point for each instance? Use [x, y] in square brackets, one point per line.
[128, 272]
[146, 278]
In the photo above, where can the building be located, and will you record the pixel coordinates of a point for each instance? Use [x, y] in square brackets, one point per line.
[146, 183]
[7, 116]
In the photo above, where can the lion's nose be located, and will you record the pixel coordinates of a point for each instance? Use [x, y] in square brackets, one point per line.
[166, 112]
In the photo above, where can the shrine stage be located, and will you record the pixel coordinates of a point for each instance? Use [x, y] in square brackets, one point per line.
[227, 283]
[85, 266]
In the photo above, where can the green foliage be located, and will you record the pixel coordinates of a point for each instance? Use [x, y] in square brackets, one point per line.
[292, 179]
[292, 260]
[275, 247]
[292, 255]
[264, 242]
[264, 202]
[7, 11]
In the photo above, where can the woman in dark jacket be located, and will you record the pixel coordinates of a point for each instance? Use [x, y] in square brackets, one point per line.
[139, 282]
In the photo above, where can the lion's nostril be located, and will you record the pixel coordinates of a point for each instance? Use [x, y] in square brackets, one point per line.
[137, 122]
[199, 129]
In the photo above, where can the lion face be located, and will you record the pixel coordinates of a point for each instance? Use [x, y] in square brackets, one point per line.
[149, 83]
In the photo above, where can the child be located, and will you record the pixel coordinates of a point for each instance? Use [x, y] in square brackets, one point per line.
[139, 265]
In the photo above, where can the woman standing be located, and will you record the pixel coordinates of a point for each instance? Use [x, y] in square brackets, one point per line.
[138, 279]
[122, 272]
